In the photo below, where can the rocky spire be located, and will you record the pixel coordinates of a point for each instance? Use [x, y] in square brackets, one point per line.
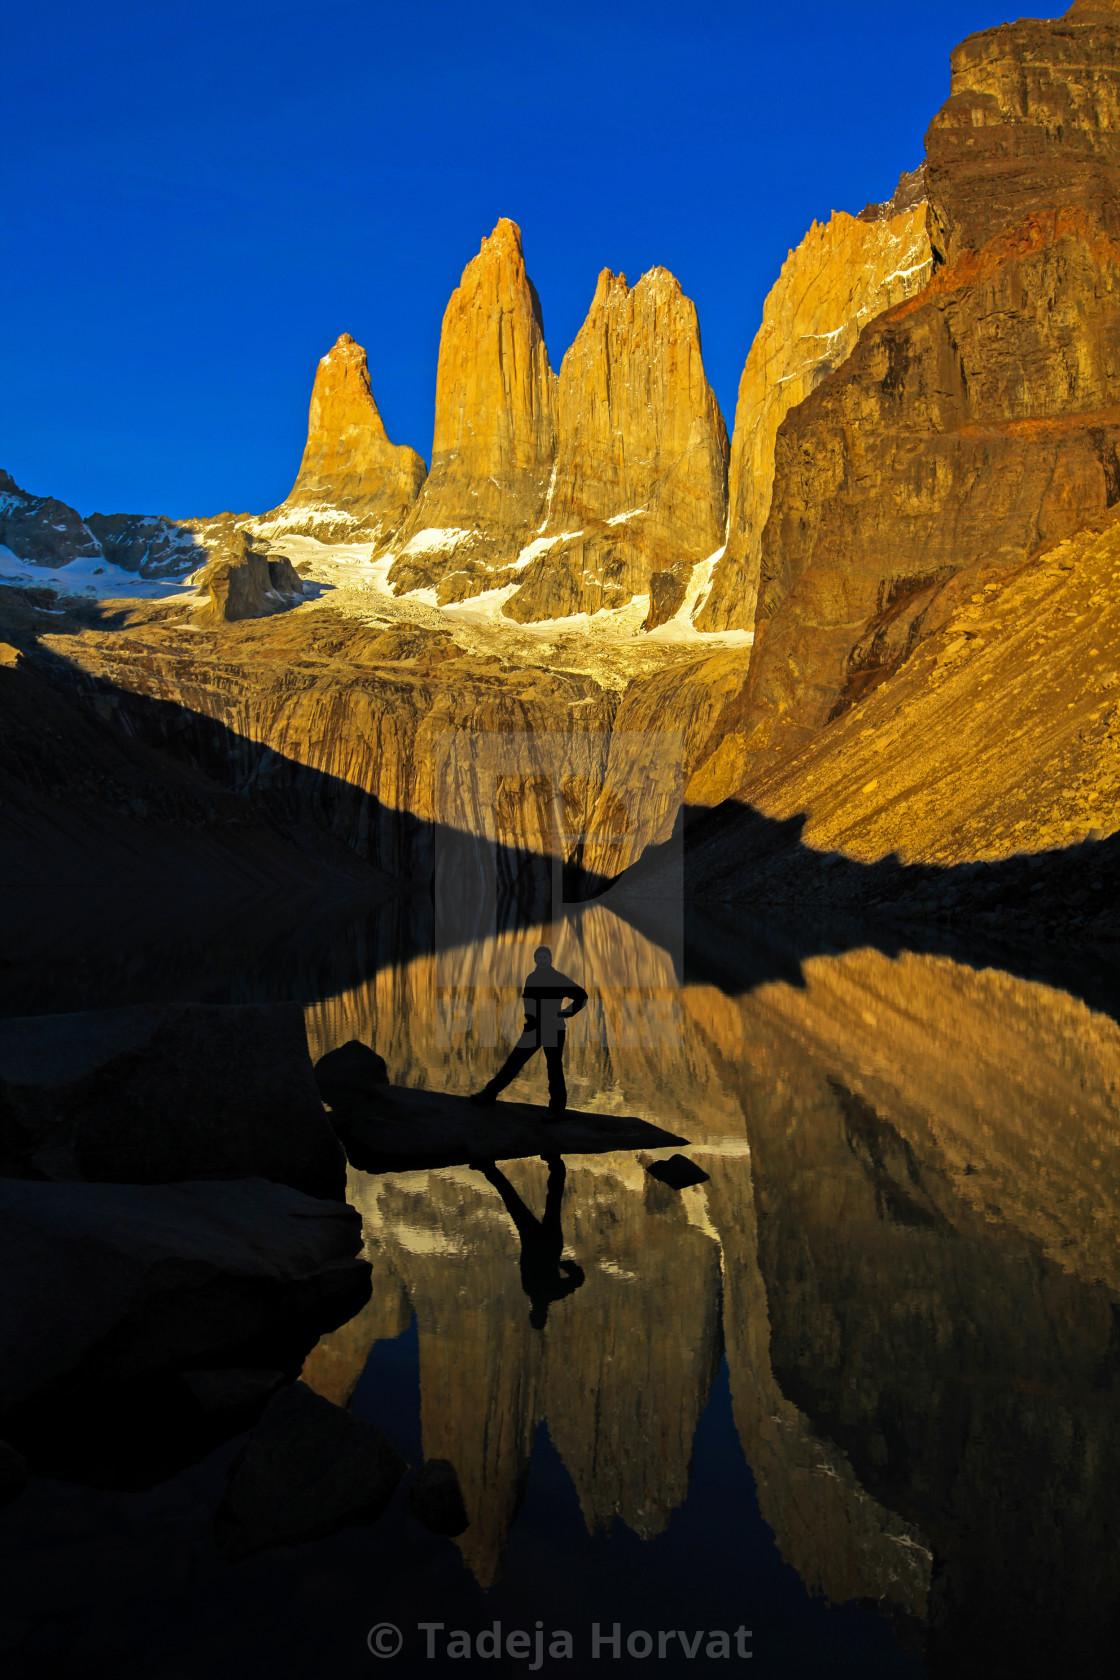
[495, 423]
[352, 481]
[641, 466]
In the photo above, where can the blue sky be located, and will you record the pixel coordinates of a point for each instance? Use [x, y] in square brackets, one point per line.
[197, 199]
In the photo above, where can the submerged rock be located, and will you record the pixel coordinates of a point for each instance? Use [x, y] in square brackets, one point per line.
[308, 1469]
[678, 1172]
[436, 1499]
[153, 1095]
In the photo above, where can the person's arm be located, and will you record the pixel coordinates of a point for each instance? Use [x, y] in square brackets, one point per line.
[579, 1000]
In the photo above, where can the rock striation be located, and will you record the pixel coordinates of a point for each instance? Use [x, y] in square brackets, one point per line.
[639, 486]
[922, 772]
[843, 274]
[980, 420]
[353, 484]
[495, 426]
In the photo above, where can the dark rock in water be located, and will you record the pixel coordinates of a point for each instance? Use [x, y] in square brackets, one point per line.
[104, 1282]
[231, 1389]
[436, 1499]
[352, 1071]
[308, 1469]
[407, 1128]
[678, 1172]
[156, 1095]
[14, 1473]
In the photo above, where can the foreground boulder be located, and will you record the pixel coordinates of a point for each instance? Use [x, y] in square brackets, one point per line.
[153, 1095]
[350, 1074]
[246, 582]
[105, 1282]
[308, 1469]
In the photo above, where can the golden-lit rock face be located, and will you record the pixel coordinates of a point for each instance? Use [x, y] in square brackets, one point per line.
[495, 424]
[843, 274]
[999, 734]
[352, 481]
[640, 480]
[573, 493]
[383, 736]
[980, 420]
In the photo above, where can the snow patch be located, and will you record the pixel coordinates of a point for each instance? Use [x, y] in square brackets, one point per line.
[91, 577]
[541, 545]
[631, 513]
[434, 539]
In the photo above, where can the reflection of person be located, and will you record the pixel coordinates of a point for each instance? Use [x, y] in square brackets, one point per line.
[545, 1276]
[543, 992]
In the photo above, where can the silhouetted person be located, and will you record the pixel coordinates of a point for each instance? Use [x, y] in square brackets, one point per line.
[545, 1277]
[544, 992]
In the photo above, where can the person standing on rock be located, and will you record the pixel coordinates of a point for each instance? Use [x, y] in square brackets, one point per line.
[544, 993]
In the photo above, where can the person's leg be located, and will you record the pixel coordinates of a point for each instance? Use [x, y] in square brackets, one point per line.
[510, 1069]
[557, 1087]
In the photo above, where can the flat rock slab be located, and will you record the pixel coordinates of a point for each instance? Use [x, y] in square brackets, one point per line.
[403, 1129]
[141, 1277]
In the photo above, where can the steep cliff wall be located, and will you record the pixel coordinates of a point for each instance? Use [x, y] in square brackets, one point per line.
[999, 734]
[390, 739]
[352, 483]
[640, 481]
[979, 420]
[495, 427]
[843, 274]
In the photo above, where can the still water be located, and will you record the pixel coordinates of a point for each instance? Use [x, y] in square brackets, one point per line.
[848, 1407]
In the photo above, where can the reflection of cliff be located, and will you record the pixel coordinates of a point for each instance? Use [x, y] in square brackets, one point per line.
[621, 1404]
[924, 1139]
[910, 1265]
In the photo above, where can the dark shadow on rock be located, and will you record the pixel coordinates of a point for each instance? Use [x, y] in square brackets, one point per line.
[163, 1094]
[131, 1315]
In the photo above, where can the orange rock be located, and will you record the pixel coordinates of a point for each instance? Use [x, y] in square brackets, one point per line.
[495, 425]
[641, 467]
[843, 274]
[352, 481]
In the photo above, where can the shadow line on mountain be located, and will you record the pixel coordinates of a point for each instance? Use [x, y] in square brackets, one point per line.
[348, 886]
[1022, 914]
[124, 815]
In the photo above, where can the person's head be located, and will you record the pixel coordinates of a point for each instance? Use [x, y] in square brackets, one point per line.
[542, 956]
